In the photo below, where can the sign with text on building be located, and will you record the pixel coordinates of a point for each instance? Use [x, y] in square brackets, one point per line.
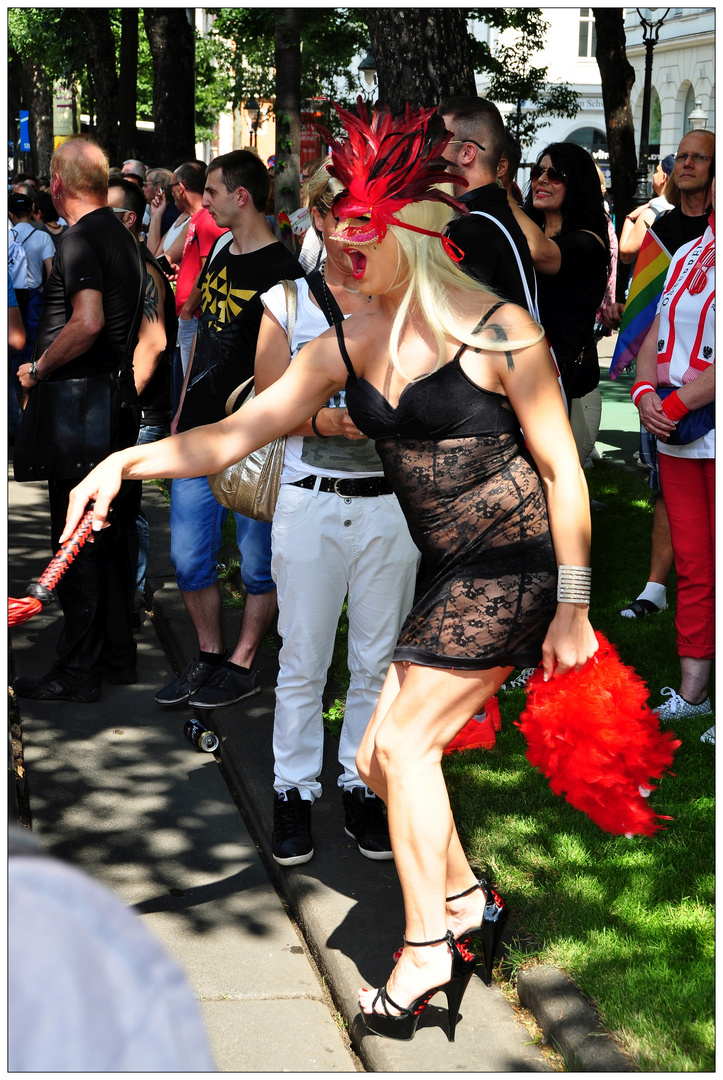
[63, 106]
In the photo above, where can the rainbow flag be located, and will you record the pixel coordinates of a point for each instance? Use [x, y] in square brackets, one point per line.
[645, 289]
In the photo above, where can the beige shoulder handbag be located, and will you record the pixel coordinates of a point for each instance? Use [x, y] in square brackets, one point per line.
[251, 486]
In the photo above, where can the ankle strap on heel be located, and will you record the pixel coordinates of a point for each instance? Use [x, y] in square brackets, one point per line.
[448, 937]
[481, 884]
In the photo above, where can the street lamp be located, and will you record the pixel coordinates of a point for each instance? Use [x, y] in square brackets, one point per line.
[698, 118]
[368, 74]
[252, 110]
[651, 30]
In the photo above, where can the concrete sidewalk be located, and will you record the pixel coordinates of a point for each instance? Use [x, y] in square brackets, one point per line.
[116, 788]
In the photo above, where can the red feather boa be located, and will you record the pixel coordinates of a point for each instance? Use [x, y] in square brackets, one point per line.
[592, 734]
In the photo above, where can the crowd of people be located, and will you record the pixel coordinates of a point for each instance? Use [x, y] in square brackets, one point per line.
[436, 379]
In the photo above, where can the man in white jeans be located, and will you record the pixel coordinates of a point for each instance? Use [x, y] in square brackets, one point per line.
[338, 532]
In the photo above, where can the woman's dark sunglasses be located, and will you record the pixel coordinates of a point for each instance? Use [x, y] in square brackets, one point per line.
[553, 175]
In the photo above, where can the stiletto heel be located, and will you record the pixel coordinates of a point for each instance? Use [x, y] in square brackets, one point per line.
[489, 933]
[404, 1025]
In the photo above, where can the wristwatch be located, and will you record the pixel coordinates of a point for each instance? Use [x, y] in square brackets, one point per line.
[33, 372]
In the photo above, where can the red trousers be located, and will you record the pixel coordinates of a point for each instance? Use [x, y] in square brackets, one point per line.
[688, 487]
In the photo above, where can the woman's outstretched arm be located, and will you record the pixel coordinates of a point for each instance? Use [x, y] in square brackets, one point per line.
[307, 384]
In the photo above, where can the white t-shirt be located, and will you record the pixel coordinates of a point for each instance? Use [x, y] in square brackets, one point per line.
[309, 456]
[686, 342]
[38, 246]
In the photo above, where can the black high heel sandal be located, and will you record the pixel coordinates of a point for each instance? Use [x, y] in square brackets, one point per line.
[489, 933]
[404, 1026]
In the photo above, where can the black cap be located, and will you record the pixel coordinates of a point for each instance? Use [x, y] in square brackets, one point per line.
[19, 203]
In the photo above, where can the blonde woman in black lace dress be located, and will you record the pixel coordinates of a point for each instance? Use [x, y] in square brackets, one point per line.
[442, 376]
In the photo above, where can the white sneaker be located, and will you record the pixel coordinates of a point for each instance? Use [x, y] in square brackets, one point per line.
[520, 681]
[709, 736]
[676, 706]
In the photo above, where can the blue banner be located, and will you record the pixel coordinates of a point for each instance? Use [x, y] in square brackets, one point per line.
[24, 131]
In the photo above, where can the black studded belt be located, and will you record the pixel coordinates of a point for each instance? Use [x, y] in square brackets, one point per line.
[346, 487]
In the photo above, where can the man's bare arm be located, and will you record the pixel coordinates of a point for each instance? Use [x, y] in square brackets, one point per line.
[152, 333]
[82, 328]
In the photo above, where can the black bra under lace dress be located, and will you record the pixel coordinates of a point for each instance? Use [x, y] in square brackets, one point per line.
[454, 456]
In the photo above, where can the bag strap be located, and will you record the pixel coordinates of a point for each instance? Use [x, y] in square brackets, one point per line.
[292, 294]
[292, 297]
[598, 238]
[324, 298]
[531, 303]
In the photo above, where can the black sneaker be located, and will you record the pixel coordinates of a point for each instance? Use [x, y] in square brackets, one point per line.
[366, 822]
[291, 842]
[52, 687]
[225, 687]
[195, 674]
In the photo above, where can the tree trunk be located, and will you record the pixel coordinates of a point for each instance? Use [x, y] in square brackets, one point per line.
[128, 83]
[617, 77]
[40, 104]
[288, 117]
[29, 88]
[101, 67]
[173, 50]
[422, 54]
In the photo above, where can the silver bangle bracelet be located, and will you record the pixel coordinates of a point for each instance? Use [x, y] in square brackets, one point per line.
[573, 584]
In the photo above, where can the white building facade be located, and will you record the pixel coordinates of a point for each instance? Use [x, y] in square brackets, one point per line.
[683, 74]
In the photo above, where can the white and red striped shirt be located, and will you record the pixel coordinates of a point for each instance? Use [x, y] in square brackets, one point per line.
[686, 340]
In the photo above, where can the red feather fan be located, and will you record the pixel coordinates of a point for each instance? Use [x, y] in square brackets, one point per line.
[592, 734]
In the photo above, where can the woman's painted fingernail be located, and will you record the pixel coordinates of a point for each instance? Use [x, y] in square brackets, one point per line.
[97, 526]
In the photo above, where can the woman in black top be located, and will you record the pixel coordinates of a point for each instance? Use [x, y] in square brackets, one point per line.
[565, 226]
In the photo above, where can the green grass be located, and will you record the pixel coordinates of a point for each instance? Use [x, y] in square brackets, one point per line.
[631, 921]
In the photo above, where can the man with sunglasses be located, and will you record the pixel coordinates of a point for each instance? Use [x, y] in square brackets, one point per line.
[494, 246]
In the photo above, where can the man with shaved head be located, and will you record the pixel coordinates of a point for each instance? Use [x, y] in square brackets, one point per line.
[87, 331]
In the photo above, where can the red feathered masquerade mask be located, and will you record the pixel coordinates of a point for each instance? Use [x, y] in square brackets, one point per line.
[384, 166]
[592, 734]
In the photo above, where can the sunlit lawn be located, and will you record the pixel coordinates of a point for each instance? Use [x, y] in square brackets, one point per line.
[631, 921]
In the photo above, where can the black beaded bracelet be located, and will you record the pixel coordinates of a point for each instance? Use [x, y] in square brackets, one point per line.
[314, 428]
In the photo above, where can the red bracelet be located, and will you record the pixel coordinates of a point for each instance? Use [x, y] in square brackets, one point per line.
[674, 408]
[640, 389]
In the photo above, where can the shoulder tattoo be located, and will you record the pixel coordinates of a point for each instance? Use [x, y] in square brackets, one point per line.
[500, 334]
[150, 301]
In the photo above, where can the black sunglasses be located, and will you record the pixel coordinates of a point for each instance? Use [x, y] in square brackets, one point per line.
[555, 176]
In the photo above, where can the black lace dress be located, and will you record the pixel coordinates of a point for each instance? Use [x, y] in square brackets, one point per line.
[474, 503]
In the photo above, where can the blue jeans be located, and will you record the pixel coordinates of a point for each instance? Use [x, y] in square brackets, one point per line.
[30, 312]
[196, 523]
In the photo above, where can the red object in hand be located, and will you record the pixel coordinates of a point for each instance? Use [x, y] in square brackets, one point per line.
[593, 736]
[41, 592]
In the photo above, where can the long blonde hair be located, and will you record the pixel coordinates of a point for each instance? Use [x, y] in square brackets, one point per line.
[439, 289]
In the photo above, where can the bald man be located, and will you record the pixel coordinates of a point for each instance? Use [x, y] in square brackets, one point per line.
[87, 330]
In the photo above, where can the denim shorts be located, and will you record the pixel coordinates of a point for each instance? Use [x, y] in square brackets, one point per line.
[196, 523]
